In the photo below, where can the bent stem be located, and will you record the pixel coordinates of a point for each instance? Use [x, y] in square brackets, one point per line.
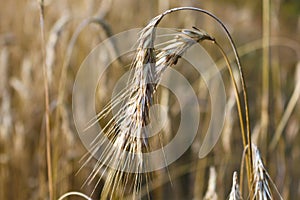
[245, 98]
[238, 102]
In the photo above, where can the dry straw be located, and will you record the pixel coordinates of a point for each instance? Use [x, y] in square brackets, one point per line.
[47, 107]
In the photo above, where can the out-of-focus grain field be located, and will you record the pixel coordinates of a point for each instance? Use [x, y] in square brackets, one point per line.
[272, 75]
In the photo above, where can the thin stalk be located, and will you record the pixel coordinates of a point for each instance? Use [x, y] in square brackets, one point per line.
[241, 73]
[286, 115]
[242, 171]
[238, 99]
[265, 71]
[239, 107]
[47, 110]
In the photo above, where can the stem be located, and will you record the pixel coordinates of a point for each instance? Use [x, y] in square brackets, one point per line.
[238, 101]
[47, 110]
[245, 98]
[265, 71]
[286, 115]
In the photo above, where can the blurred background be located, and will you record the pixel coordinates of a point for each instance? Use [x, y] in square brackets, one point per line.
[272, 76]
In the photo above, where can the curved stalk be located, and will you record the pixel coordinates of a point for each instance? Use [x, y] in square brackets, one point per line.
[238, 102]
[245, 98]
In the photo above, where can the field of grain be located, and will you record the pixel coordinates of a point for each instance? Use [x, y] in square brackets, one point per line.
[42, 47]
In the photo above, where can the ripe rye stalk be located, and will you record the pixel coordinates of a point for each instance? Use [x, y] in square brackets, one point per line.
[127, 130]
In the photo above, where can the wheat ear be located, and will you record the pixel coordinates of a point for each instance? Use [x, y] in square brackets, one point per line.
[128, 127]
